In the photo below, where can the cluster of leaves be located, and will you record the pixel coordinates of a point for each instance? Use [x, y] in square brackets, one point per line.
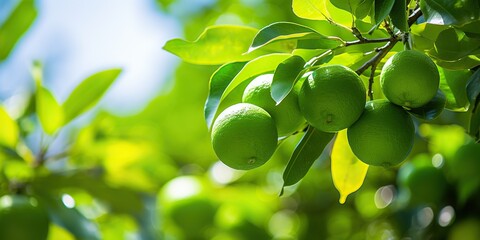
[358, 34]
[23, 162]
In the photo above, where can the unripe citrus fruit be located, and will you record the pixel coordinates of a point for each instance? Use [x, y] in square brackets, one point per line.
[22, 218]
[332, 98]
[383, 135]
[244, 136]
[286, 115]
[424, 183]
[185, 203]
[410, 79]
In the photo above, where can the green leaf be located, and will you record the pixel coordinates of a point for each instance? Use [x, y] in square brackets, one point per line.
[432, 109]
[467, 62]
[399, 15]
[321, 10]
[348, 172]
[218, 83]
[286, 75]
[216, 45]
[9, 131]
[452, 44]
[15, 26]
[69, 218]
[288, 31]
[359, 8]
[49, 111]
[306, 152]
[473, 88]
[382, 9]
[450, 12]
[425, 34]
[453, 84]
[260, 65]
[88, 93]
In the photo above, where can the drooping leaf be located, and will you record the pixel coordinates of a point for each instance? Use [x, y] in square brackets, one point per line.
[425, 34]
[348, 172]
[306, 152]
[399, 15]
[382, 9]
[432, 109]
[285, 76]
[218, 83]
[260, 65]
[49, 111]
[216, 45]
[452, 44]
[292, 31]
[16, 25]
[447, 12]
[88, 93]
[9, 131]
[70, 218]
[453, 84]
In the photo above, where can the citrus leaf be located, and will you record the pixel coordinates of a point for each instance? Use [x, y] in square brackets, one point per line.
[425, 34]
[448, 12]
[382, 9]
[321, 10]
[49, 111]
[467, 62]
[286, 75]
[399, 15]
[306, 152]
[216, 45]
[452, 44]
[359, 8]
[69, 218]
[348, 172]
[88, 93]
[219, 81]
[9, 131]
[473, 92]
[288, 31]
[453, 84]
[16, 25]
[432, 109]
[255, 67]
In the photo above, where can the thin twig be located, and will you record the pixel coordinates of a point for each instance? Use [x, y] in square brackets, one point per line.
[382, 52]
[365, 40]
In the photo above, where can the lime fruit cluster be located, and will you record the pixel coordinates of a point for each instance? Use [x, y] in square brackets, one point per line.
[22, 218]
[332, 98]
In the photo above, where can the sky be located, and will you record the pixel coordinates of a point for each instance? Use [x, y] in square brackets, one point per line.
[76, 38]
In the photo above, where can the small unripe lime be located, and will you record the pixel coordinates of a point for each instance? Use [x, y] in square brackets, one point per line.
[22, 218]
[410, 79]
[332, 98]
[383, 135]
[287, 115]
[244, 136]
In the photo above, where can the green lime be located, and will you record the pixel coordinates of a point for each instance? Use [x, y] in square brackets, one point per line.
[425, 184]
[332, 98]
[383, 135]
[286, 115]
[22, 218]
[244, 136]
[410, 79]
[185, 203]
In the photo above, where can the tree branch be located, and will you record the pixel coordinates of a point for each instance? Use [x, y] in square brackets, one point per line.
[382, 52]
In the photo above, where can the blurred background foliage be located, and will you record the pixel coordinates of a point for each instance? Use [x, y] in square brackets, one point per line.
[153, 174]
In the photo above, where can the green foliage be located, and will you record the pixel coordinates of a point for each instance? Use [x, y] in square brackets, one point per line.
[16, 25]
